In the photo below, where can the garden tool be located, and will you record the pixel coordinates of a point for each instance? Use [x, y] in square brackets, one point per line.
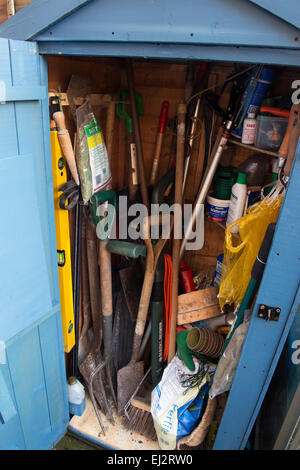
[130, 275]
[94, 358]
[228, 124]
[288, 146]
[164, 185]
[130, 376]
[103, 229]
[181, 115]
[64, 138]
[159, 140]
[122, 113]
[78, 87]
[137, 133]
[84, 339]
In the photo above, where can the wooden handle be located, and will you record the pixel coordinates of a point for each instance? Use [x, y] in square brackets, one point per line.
[159, 140]
[283, 151]
[66, 144]
[104, 261]
[137, 133]
[110, 122]
[293, 141]
[177, 226]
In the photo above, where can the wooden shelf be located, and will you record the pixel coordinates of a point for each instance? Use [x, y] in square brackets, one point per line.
[253, 148]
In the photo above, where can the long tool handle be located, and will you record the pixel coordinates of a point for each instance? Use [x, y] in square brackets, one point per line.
[133, 167]
[76, 283]
[294, 138]
[181, 112]
[106, 295]
[151, 262]
[221, 142]
[109, 133]
[159, 140]
[143, 308]
[284, 147]
[91, 241]
[66, 144]
[137, 132]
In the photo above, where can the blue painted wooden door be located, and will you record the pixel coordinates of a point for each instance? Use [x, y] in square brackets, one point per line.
[265, 340]
[33, 398]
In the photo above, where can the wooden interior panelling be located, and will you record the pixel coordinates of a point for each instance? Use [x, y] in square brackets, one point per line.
[19, 4]
[157, 81]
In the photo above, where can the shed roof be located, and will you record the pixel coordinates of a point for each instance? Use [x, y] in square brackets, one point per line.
[255, 23]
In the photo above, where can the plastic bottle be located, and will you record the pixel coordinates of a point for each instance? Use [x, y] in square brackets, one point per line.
[218, 272]
[249, 129]
[237, 200]
[76, 396]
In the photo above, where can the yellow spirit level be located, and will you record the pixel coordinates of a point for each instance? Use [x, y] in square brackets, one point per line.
[63, 245]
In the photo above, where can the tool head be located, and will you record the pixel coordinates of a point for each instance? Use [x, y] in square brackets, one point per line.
[129, 378]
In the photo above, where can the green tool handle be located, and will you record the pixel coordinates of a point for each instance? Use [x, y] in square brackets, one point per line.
[131, 250]
[157, 319]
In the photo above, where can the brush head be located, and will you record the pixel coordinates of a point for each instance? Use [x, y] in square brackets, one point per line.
[140, 419]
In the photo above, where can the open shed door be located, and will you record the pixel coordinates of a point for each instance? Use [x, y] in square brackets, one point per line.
[33, 396]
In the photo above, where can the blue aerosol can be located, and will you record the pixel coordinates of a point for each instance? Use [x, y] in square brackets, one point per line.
[259, 83]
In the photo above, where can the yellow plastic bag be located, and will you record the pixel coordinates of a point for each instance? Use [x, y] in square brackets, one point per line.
[241, 248]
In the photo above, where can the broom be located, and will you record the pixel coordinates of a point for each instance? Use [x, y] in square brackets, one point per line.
[138, 415]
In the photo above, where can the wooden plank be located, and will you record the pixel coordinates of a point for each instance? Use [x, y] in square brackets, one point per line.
[198, 305]
[95, 99]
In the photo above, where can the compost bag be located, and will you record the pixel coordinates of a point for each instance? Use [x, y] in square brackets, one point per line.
[175, 407]
[91, 154]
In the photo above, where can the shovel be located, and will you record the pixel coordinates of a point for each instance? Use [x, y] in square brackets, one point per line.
[131, 375]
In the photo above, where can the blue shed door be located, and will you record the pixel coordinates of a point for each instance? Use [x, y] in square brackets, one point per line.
[33, 393]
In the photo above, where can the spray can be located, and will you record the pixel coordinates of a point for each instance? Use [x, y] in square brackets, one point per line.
[254, 94]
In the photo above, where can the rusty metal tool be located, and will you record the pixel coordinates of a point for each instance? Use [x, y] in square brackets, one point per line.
[94, 358]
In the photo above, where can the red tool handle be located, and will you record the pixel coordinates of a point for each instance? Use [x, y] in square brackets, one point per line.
[159, 140]
[163, 117]
[285, 113]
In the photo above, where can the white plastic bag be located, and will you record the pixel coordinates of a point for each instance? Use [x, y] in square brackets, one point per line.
[228, 362]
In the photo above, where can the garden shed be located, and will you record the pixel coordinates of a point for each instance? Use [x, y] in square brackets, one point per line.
[41, 47]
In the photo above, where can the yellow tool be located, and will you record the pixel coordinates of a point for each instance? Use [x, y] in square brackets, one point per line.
[59, 172]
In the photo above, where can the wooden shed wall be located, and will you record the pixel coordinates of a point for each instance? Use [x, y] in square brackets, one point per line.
[157, 81]
[19, 4]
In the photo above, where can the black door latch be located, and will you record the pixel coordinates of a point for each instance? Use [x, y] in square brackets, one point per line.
[268, 313]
